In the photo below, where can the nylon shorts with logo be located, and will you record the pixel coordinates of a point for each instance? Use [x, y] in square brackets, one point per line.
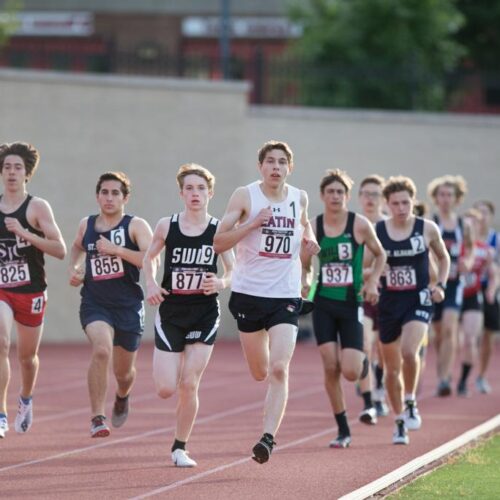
[256, 313]
[397, 309]
[127, 322]
[179, 324]
[28, 308]
[335, 321]
[453, 298]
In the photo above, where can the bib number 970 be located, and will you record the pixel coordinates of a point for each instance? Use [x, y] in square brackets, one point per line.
[275, 244]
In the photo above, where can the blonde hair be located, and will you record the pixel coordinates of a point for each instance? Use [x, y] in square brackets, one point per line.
[457, 182]
[195, 169]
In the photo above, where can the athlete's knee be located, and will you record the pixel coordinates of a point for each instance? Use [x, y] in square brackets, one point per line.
[351, 373]
[28, 360]
[259, 373]
[279, 370]
[102, 353]
[188, 385]
[125, 376]
[409, 356]
[4, 347]
[165, 391]
[332, 371]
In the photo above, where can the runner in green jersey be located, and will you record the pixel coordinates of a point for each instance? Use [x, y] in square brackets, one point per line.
[338, 312]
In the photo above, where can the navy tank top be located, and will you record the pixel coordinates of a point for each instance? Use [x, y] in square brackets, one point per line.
[453, 241]
[21, 263]
[110, 280]
[407, 267]
[187, 259]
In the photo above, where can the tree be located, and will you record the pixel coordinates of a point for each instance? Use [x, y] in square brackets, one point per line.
[378, 53]
[8, 20]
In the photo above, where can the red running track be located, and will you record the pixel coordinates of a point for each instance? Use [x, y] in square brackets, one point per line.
[57, 458]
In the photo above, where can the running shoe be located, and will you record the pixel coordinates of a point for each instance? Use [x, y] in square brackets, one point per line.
[443, 389]
[341, 442]
[98, 427]
[368, 416]
[24, 417]
[462, 389]
[4, 426]
[482, 385]
[263, 449]
[412, 418]
[181, 459]
[381, 408]
[120, 411]
[400, 435]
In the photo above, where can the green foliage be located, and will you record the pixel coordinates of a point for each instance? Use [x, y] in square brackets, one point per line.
[8, 21]
[378, 53]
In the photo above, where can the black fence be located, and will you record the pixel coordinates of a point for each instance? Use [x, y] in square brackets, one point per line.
[286, 80]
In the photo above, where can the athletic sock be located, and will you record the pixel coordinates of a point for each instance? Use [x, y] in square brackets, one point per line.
[119, 398]
[367, 399]
[379, 377]
[410, 397]
[342, 424]
[466, 368]
[178, 445]
[26, 401]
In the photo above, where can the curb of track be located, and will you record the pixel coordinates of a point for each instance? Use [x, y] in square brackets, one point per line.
[414, 465]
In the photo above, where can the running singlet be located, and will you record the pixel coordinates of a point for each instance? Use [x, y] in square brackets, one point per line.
[267, 259]
[110, 280]
[407, 269]
[340, 263]
[187, 260]
[474, 277]
[453, 241]
[21, 263]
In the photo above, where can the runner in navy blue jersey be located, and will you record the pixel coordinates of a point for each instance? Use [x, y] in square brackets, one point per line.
[106, 257]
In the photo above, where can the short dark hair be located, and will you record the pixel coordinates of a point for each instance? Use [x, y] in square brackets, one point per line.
[487, 203]
[115, 176]
[27, 152]
[336, 175]
[372, 179]
[399, 183]
[270, 145]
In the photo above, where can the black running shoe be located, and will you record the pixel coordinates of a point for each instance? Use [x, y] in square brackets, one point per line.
[263, 449]
[307, 307]
[341, 441]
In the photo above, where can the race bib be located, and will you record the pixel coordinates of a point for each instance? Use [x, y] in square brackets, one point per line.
[470, 280]
[275, 243]
[187, 281]
[401, 278]
[336, 274]
[14, 274]
[106, 267]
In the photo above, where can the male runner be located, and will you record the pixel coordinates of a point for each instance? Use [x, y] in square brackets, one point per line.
[447, 193]
[338, 311]
[267, 221]
[405, 305]
[27, 232]
[106, 257]
[188, 317]
[371, 201]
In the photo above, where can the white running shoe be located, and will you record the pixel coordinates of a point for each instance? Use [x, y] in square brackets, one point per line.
[24, 417]
[482, 385]
[181, 459]
[368, 416]
[4, 426]
[412, 419]
[400, 434]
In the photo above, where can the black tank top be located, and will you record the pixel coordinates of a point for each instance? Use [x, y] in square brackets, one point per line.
[407, 267]
[453, 240]
[110, 280]
[21, 263]
[187, 259]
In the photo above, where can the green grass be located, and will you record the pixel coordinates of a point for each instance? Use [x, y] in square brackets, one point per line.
[474, 474]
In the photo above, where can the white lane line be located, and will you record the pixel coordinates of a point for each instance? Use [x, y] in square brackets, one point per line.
[385, 481]
[133, 399]
[209, 418]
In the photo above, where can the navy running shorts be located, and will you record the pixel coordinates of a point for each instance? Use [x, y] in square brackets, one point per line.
[257, 313]
[397, 309]
[453, 298]
[473, 303]
[335, 321]
[179, 324]
[127, 322]
[492, 315]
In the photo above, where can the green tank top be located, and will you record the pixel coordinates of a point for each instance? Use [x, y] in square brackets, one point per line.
[341, 264]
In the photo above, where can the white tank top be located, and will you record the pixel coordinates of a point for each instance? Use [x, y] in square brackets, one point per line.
[267, 259]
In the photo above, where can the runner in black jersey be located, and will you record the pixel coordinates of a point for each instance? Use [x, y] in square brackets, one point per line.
[188, 317]
[27, 232]
[106, 257]
[405, 305]
[447, 193]
[338, 311]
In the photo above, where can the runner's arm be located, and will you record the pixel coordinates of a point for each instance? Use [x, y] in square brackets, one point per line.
[438, 248]
[154, 293]
[77, 256]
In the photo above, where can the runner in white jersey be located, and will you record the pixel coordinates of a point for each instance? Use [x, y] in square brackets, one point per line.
[267, 221]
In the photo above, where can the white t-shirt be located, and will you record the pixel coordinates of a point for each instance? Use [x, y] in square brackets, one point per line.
[267, 259]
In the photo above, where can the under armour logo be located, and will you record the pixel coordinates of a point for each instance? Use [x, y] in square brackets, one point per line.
[241, 315]
[276, 209]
